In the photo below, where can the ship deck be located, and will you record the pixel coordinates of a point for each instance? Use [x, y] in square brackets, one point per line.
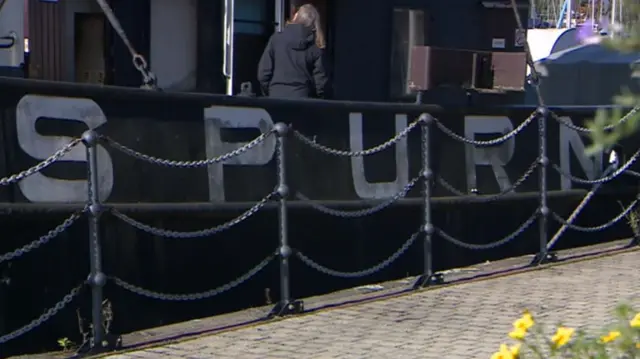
[468, 318]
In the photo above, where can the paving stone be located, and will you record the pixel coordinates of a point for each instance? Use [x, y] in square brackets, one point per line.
[468, 320]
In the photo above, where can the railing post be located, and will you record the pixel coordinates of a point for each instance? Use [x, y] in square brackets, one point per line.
[285, 305]
[428, 277]
[97, 278]
[543, 254]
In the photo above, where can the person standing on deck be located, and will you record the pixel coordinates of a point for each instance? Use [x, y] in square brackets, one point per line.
[293, 63]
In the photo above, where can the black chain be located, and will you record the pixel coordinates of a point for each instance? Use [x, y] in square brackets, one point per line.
[48, 314]
[5, 181]
[493, 197]
[362, 212]
[186, 164]
[379, 148]
[195, 296]
[581, 129]
[361, 273]
[523, 227]
[603, 179]
[598, 228]
[53, 233]
[161, 232]
[487, 143]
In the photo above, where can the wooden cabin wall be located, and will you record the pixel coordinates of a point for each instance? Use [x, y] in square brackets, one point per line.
[46, 30]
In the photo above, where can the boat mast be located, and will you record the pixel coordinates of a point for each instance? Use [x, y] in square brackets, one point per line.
[532, 15]
[565, 15]
[613, 11]
[227, 66]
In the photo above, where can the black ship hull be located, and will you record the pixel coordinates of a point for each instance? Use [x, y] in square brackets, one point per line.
[39, 117]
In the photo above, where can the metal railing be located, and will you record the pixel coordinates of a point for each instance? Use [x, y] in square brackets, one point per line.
[284, 252]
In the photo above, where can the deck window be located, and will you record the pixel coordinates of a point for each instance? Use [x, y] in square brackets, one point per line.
[252, 17]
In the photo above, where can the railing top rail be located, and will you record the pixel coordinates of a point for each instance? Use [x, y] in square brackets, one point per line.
[130, 94]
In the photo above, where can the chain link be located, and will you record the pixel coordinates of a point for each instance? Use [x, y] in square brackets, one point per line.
[493, 197]
[195, 296]
[581, 129]
[40, 166]
[610, 223]
[603, 179]
[53, 233]
[523, 227]
[381, 147]
[44, 317]
[493, 142]
[186, 164]
[361, 212]
[161, 232]
[362, 273]
[148, 78]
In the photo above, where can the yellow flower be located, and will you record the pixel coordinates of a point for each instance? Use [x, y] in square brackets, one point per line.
[524, 323]
[637, 345]
[507, 353]
[518, 334]
[611, 336]
[515, 350]
[635, 322]
[521, 326]
[562, 336]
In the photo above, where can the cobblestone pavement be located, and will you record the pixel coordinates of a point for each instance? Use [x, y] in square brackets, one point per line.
[468, 320]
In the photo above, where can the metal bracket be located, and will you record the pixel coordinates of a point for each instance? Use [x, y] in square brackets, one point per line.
[544, 258]
[11, 39]
[111, 343]
[283, 309]
[424, 281]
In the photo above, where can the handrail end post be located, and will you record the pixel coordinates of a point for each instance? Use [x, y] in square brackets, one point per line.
[284, 308]
[424, 281]
[101, 340]
[428, 277]
[544, 254]
[544, 258]
[286, 305]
